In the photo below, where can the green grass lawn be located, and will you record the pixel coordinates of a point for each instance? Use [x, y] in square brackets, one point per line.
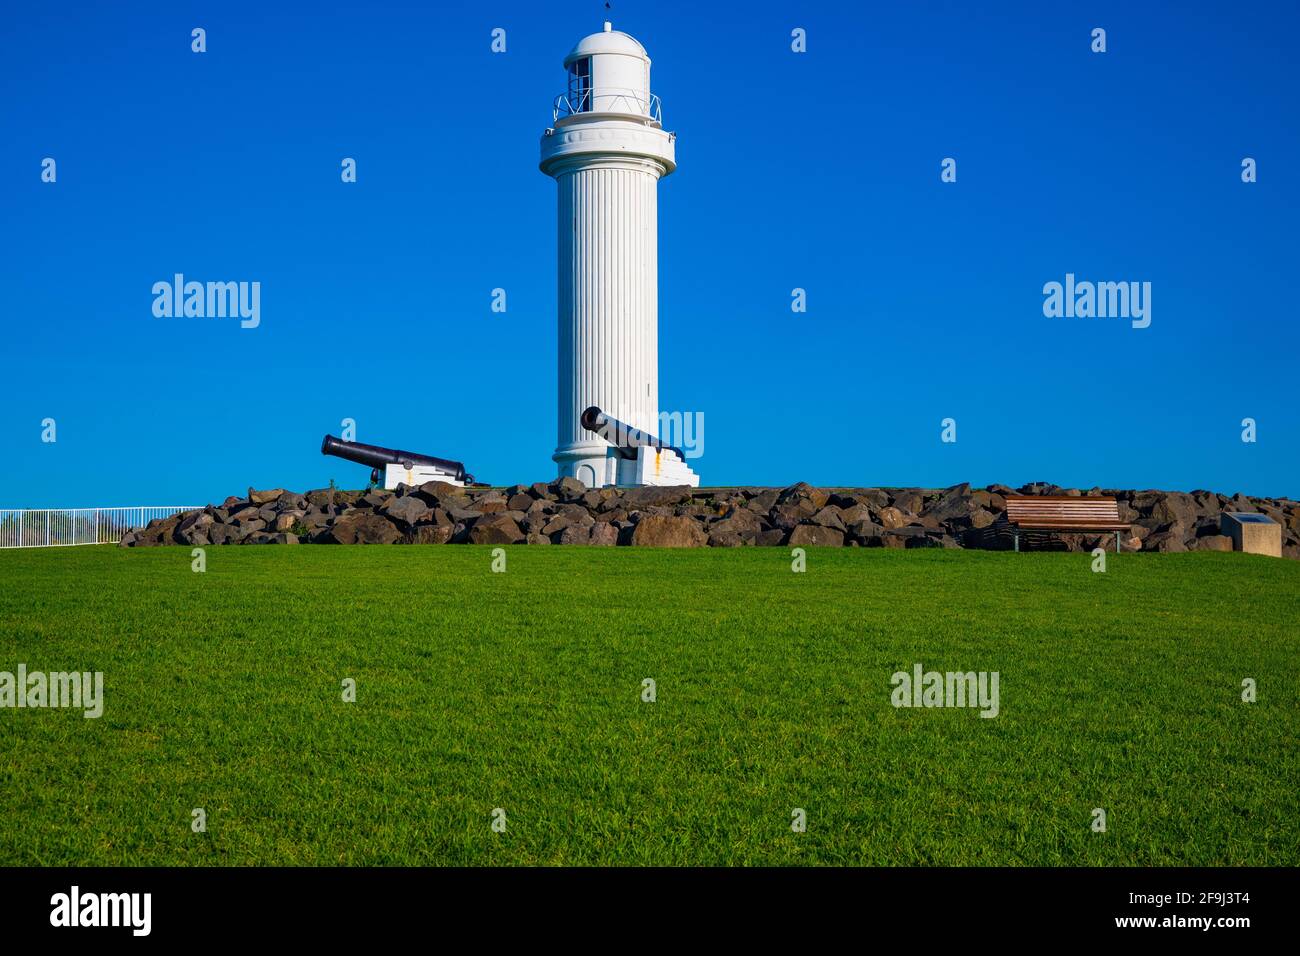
[478, 690]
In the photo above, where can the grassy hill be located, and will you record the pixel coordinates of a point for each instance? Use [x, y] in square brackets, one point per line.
[523, 691]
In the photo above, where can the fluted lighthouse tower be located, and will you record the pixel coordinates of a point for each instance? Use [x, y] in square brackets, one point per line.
[607, 152]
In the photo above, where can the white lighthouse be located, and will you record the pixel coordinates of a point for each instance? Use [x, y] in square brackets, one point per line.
[607, 152]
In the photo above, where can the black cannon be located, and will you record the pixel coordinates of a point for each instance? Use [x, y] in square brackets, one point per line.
[379, 458]
[623, 437]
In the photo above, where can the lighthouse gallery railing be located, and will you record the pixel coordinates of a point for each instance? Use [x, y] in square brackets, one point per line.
[633, 101]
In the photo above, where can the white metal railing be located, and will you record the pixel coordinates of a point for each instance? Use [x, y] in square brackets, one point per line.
[57, 527]
[608, 100]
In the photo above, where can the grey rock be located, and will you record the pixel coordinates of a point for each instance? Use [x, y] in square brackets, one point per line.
[362, 528]
[495, 529]
[405, 511]
[668, 531]
[817, 536]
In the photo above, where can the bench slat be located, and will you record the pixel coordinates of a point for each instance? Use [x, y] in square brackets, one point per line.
[1064, 513]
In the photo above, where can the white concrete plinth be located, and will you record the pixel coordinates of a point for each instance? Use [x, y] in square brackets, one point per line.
[652, 467]
[395, 475]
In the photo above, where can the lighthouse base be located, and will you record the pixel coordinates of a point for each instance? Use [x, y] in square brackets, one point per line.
[600, 466]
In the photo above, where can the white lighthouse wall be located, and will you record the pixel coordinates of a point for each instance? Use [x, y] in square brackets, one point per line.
[608, 297]
[621, 84]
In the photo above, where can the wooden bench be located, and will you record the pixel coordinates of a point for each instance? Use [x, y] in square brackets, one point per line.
[1063, 513]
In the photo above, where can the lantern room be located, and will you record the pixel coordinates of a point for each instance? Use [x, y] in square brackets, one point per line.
[608, 72]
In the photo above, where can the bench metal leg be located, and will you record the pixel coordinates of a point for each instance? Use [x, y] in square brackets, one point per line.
[1117, 542]
[1016, 540]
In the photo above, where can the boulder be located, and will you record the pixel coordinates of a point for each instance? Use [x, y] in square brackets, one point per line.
[495, 529]
[361, 529]
[1175, 508]
[264, 497]
[898, 537]
[573, 533]
[603, 534]
[739, 521]
[1214, 542]
[557, 524]
[804, 492]
[433, 492]
[248, 526]
[373, 499]
[817, 536]
[788, 516]
[192, 525]
[854, 513]
[404, 511]
[1169, 542]
[567, 489]
[828, 517]
[908, 500]
[431, 534]
[893, 517]
[954, 506]
[491, 504]
[724, 539]
[438, 517]
[222, 534]
[286, 521]
[864, 531]
[668, 531]
[764, 501]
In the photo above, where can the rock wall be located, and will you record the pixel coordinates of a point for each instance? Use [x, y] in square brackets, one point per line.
[564, 512]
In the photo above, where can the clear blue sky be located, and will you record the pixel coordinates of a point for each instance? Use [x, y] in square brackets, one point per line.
[816, 170]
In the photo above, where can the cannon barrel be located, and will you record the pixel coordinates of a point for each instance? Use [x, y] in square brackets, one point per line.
[378, 457]
[623, 437]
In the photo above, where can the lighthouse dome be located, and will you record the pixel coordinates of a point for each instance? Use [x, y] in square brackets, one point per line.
[609, 72]
[608, 40]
